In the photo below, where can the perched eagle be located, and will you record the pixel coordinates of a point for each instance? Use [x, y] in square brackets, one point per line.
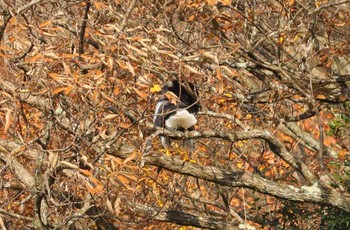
[176, 111]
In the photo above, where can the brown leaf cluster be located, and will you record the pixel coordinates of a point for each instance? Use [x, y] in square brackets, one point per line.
[78, 86]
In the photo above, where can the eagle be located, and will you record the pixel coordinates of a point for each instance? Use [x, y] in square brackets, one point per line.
[177, 110]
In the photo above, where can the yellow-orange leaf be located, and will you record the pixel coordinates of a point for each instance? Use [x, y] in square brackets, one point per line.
[132, 156]
[235, 202]
[124, 125]
[94, 188]
[68, 55]
[191, 18]
[54, 75]
[44, 24]
[211, 2]
[156, 88]
[68, 90]
[34, 58]
[116, 91]
[342, 153]
[58, 90]
[65, 89]
[4, 48]
[85, 172]
[226, 2]
[320, 96]
[123, 179]
[98, 5]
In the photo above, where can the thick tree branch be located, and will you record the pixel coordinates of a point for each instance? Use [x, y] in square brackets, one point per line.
[182, 218]
[314, 193]
[21, 173]
[275, 146]
[38, 102]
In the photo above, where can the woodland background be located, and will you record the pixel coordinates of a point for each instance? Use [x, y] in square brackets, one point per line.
[78, 85]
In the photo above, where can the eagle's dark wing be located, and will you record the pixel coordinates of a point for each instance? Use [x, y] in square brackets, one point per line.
[188, 99]
[164, 109]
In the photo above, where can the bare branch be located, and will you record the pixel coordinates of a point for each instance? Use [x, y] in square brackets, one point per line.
[182, 218]
[83, 28]
[313, 193]
[127, 15]
[27, 6]
[275, 146]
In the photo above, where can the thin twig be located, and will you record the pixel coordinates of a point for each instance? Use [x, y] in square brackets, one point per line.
[3, 27]
[126, 16]
[12, 214]
[83, 28]
[331, 4]
[27, 6]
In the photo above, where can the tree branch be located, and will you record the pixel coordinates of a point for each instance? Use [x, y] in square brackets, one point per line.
[27, 6]
[83, 28]
[275, 146]
[181, 218]
[126, 16]
[314, 193]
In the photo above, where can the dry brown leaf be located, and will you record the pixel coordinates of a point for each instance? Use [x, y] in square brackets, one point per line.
[116, 206]
[94, 188]
[131, 157]
[138, 51]
[109, 205]
[140, 94]
[85, 172]
[65, 89]
[53, 158]
[130, 68]
[192, 69]
[45, 23]
[211, 2]
[172, 97]
[70, 165]
[34, 58]
[116, 91]
[123, 179]
[122, 64]
[124, 125]
[226, 2]
[110, 117]
[5, 48]
[110, 63]
[220, 86]
[7, 119]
